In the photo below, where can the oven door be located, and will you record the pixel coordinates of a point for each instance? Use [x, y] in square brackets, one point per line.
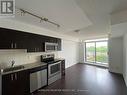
[54, 69]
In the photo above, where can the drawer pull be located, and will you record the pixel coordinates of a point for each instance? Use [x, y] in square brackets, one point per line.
[12, 77]
[15, 76]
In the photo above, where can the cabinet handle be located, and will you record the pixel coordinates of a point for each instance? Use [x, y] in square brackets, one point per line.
[15, 76]
[15, 45]
[35, 49]
[12, 77]
[12, 45]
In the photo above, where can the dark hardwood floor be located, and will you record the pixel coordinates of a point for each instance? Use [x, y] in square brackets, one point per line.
[84, 79]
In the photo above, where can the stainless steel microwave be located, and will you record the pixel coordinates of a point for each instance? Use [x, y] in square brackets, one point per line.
[51, 46]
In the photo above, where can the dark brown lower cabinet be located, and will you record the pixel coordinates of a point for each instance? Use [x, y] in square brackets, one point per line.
[16, 83]
[63, 67]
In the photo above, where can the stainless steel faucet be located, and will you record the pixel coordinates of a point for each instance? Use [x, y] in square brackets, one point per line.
[12, 63]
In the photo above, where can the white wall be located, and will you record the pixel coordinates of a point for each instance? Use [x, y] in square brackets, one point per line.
[125, 58]
[69, 46]
[116, 54]
[70, 51]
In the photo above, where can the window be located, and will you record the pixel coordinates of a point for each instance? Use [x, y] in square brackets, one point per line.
[90, 52]
[96, 51]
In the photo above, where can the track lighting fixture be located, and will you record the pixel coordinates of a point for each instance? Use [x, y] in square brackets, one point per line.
[23, 12]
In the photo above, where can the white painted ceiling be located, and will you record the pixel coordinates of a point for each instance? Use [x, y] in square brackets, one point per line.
[64, 12]
[91, 17]
[98, 11]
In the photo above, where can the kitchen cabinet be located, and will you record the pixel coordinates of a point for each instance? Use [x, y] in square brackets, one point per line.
[13, 39]
[5, 40]
[38, 79]
[36, 43]
[63, 67]
[20, 40]
[16, 83]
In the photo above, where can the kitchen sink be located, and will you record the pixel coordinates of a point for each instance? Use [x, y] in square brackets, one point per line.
[13, 68]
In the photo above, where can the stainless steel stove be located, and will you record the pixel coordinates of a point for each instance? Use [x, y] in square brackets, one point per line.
[54, 67]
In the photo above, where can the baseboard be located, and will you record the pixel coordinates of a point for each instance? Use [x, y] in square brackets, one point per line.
[114, 71]
[125, 80]
[98, 65]
[70, 65]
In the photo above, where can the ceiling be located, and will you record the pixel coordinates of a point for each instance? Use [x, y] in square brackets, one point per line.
[91, 17]
[64, 12]
[99, 11]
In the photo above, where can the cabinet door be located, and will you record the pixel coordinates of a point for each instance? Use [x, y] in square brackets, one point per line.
[20, 40]
[32, 43]
[36, 43]
[12, 39]
[6, 45]
[8, 85]
[15, 84]
[5, 39]
[63, 67]
[23, 85]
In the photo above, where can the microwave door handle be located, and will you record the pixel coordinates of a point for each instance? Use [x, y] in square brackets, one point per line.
[45, 47]
[56, 47]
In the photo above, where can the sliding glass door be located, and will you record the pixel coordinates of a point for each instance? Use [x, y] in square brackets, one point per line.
[90, 52]
[96, 52]
[101, 52]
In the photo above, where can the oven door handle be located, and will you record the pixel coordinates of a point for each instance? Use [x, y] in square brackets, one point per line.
[59, 62]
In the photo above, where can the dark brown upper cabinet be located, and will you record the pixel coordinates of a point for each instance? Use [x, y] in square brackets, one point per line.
[5, 40]
[13, 39]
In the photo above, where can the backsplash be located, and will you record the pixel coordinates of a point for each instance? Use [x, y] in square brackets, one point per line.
[20, 57]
